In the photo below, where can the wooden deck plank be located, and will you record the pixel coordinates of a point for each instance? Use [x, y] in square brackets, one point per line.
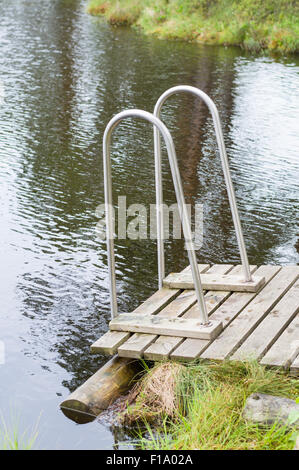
[178, 305]
[213, 298]
[215, 281]
[157, 301]
[269, 328]
[267, 332]
[164, 345]
[190, 349]
[109, 342]
[286, 349]
[294, 368]
[135, 345]
[243, 325]
[187, 328]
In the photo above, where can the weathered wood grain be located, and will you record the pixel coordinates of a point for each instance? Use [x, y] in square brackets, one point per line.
[294, 368]
[135, 345]
[100, 390]
[109, 342]
[175, 308]
[267, 332]
[227, 282]
[157, 301]
[190, 349]
[250, 317]
[187, 328]
[285, 350]
[163, 346]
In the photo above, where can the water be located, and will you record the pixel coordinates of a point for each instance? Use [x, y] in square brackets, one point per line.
[65, 74]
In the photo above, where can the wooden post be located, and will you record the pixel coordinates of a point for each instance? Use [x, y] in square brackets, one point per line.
[101, 389]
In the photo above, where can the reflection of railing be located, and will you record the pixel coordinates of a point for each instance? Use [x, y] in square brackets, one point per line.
[229, 186]
[161, 128]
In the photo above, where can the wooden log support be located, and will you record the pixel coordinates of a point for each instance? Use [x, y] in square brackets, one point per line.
[135, 345]
[223, 282]
[100, 390]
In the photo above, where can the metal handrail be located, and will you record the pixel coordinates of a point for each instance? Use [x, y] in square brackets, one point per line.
[113, 123]
[225, 166]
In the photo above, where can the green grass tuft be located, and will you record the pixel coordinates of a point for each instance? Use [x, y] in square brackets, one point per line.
[209, 403]
[11, 438]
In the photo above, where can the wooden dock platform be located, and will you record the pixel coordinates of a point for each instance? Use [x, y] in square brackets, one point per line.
[263, 325]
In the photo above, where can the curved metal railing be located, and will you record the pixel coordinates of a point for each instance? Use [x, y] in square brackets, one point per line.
[161, 129]
[225, 166]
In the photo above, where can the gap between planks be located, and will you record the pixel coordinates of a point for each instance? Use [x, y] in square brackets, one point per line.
[294, 369]
[269, 330]
[138, 342]
[286, 349]
[252, 315]
[163, 346]
[227, 312]
[110, 341]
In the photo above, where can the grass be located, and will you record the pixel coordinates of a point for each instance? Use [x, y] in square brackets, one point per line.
[11, 438]
[251, 24]
[204, 408]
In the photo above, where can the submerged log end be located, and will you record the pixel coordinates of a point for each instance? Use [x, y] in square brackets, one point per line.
[100, 390]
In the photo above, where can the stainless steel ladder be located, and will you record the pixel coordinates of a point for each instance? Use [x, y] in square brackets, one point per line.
[225, 166]
[161, 128]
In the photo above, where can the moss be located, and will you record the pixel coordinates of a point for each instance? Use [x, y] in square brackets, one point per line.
[250, 24]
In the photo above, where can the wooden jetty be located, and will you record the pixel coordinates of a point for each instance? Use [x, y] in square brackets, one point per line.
[205, 312]
[263, 325]
[219, 312]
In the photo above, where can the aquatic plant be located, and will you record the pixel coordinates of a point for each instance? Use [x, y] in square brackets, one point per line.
[12, 438]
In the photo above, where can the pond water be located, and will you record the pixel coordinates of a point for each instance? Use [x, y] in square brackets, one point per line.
[63, 75]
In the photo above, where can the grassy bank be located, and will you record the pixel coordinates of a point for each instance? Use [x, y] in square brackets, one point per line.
[200, 407]
[252, 24]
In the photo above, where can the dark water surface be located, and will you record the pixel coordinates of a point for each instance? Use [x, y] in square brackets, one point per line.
[65, 74]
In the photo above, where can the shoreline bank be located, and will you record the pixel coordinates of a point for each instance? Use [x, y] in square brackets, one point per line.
[253, 26]
[179, 406]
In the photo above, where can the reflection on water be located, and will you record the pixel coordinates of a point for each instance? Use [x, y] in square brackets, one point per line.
[65, 74]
